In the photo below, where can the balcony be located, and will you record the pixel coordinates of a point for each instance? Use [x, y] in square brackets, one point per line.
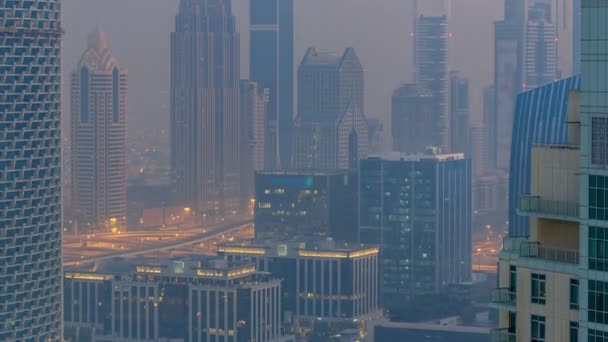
[558, 210]
[503, 335]
[553, 254]
[503, 298]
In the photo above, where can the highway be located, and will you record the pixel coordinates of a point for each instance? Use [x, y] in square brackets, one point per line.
[172, 244]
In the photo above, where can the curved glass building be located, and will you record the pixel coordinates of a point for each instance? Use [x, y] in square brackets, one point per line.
[541, 117]
[30, 206]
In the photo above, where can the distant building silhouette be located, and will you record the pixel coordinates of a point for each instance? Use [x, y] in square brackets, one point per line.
[330, 128]
[413, 120]
[271, 66]
[205, 149]
[536, 43]
[254, 103]
[98, 135]
[431, 65]
[459, 114]
[417, 208]
[30, 171]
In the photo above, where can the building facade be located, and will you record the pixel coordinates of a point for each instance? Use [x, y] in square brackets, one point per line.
[460, 127]
[540, 292]
[541, 48]
[98, 136]
[30, 171]
[412, 118]
[305, 203]
[322, 280]
[330, 129]
[254, 103]
[417, 208]
[183, 300]
[541, 117]
[271, 66]
[431, 65]
[205, 149]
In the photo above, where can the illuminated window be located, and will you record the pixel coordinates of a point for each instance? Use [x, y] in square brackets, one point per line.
[264, 205]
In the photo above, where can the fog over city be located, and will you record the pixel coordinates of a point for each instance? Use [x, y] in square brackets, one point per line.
[303, 170]
[379, 31]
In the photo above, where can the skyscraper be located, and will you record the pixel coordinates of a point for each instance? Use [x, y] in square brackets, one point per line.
[489, 124]
[541, 48]
[271, 65]
[431, 65]
[30, 171]
[330, 130]
[459, 113]
[254, 103]
[412, 118]
[508, 82]
[98, 135]
[205, 107]
[526, 46]
[417, 208]
[541, 118]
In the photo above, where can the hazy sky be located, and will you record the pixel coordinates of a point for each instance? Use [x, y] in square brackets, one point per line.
[378, 30]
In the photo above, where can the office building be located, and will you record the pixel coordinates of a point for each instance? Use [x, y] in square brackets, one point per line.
[431, 65]
[539, 286]
[99, 142]
[322, 280]
[459, 114]
[175, 300]
[30, 171]
[254, 103]
[271, 66]
[330, 129]
[205, 149]
[305, 203]
[541, 117]
[412, 118]
[417, 208]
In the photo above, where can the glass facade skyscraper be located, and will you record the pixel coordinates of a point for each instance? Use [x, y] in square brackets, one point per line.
[271, 66]
[541, 117]
[417, 208]
[30, 170]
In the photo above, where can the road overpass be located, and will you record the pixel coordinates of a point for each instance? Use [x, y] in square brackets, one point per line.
[191, 240]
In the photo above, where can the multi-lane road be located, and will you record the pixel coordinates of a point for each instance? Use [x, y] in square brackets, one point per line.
[90, 248]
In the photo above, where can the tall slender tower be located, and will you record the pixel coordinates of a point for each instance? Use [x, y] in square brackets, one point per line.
[30, 171]
[99, 91]
[271, 66]
[432, 71]
[205, 107]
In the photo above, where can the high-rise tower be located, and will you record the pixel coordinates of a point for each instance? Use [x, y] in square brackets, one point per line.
[30, 171]
[431, 58]
[271, 66]
[205, 107]
[99, 91]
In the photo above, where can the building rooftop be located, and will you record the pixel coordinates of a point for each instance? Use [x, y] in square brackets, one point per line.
[432, 154]
[195, 267]
[305, 172]
[315, 247]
